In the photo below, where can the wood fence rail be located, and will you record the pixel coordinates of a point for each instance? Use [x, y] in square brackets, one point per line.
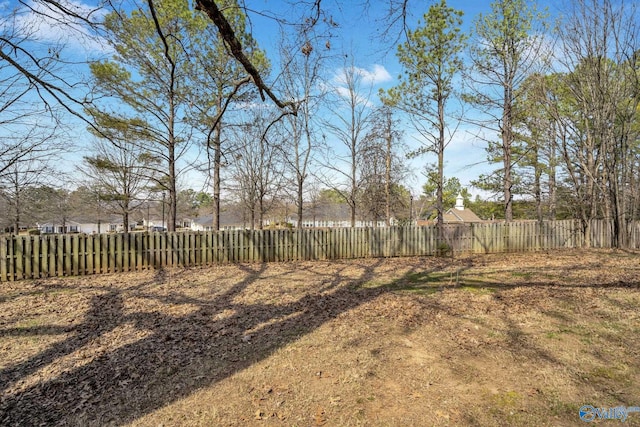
[30, 257]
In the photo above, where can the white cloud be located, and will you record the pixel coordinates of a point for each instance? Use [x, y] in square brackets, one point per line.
[367, 79]
[378, 74]
[48, 25]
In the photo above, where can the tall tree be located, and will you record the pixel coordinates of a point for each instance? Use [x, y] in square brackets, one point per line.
[257, 174]
[351, 116]
[220, 83]
[119, 176]
[382, 169]
[507, 47]
[148, 74]
[599, 42]
[301, 81]
[431, 59]
[536, 128]
[451, 189]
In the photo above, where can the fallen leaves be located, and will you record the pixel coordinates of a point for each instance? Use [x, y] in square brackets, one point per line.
[121, 348]
[319, 418]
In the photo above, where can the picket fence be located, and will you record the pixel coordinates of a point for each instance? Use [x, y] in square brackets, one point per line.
[31, 257]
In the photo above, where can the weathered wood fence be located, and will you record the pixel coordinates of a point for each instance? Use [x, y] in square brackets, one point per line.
[27, 257]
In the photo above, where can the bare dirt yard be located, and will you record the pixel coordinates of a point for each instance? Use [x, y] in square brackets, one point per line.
[513, 340]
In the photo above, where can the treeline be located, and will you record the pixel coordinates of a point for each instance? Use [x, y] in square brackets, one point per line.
[179, 90]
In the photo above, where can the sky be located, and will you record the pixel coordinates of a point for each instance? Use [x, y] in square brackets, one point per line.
[357, 33]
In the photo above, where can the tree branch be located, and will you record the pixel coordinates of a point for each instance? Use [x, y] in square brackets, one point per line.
[228, 35]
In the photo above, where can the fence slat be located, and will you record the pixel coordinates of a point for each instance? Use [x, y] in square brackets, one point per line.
[25, 257]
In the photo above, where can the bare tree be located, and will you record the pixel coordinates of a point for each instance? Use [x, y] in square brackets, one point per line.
[15, 183]
[119, 176]
[599, 46]
[257, 173]
[301, 81]
[351, 119]
[42, 66]
[28, 128]
[536, 125]
[382, 169]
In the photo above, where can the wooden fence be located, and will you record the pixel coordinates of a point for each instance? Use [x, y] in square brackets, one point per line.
[28, 257]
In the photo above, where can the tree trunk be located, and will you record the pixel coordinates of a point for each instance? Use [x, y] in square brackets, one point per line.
[507, 139]
[173, 199]
[387, 183]
[300, 200]
[552, 181]
[217, 159]
[440, 189]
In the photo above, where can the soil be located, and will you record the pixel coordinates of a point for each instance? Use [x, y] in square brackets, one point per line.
[507, 339]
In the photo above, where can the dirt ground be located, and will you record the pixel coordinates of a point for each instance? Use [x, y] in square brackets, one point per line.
[513, 340]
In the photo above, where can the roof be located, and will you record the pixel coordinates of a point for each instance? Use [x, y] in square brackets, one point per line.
[226, 219]
[460, 215]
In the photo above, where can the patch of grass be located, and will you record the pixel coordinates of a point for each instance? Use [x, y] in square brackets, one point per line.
[552, 277]
[433, 278]
[32, 322]
[495, 334]
[615, 327]
[419, 290]
[557, 406]
[579, 330]
[504, 405]
[507, 399]
[525, 275]
[424, 283]
[586, 340]
[618, 373]
[430, 282]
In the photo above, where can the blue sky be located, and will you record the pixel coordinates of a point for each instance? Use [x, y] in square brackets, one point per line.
[465, 156]
[356, 34]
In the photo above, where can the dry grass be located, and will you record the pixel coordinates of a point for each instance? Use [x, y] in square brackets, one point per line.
[521, 339]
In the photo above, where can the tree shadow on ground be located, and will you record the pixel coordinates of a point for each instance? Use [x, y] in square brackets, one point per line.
[173, 355]
[216, 335]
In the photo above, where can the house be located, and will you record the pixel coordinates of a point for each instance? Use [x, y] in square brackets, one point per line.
[228, 221]
[55, 227]
[460, 214]
[332, 215]
[83, 225]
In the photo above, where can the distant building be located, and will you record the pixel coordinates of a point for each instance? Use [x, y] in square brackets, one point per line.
[456, 215]
[228, 221]
[459, 213]
[85, 225]
[60, 227]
